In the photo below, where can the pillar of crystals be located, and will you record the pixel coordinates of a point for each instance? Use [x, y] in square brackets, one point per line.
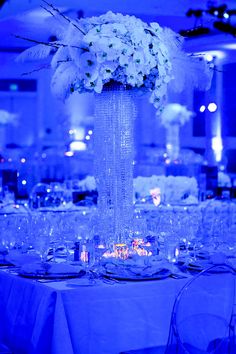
[172, 141]
[113, 160]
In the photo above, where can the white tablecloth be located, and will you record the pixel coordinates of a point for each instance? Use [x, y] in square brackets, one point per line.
[61, 318]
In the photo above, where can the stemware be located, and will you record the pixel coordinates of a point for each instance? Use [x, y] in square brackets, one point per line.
[39, 234]
[7, 234]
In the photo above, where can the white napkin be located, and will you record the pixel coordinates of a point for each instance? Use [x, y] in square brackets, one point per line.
[50, 268]
[18, 259]
[144, 266]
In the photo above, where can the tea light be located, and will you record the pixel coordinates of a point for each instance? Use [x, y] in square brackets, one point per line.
[121, 250]
[156, 196]
[137, 241]
[141, 251]
[109, 254]
[141, 248]
[84, 256]
[176, 252]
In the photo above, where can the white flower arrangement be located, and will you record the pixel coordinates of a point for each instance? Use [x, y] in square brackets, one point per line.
[88, 184]
[174, 113]
[173, 189]
[92, 52]
[7, 117]
[224, 180]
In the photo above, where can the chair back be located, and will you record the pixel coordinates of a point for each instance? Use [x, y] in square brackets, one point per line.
[203, 314]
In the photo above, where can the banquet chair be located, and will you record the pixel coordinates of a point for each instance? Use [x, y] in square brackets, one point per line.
[203, 319]
[4, 349]
[203, 316]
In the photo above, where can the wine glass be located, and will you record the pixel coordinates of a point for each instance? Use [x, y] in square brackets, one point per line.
[39, 234]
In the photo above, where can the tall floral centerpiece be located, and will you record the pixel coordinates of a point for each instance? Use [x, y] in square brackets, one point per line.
[6, 118]
[174, 116]
[114, 56]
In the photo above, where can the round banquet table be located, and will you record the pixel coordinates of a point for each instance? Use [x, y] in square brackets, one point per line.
[64, 317]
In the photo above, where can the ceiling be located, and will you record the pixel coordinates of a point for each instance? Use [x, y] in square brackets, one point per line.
[27, 18]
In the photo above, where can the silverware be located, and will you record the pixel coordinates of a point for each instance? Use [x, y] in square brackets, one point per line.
[50, 280]
[178, 276]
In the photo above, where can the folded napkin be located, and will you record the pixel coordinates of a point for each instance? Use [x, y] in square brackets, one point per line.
[50, 268]
[130, 268]
[135, 260]
[18, 259]
[148, 271]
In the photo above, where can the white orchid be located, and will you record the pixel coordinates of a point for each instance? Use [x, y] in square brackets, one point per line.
[107, 70]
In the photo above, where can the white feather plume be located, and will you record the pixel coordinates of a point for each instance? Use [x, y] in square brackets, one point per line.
[187, 70]
[190, 72]
[64, 76]
[37, 52]
[59, 56]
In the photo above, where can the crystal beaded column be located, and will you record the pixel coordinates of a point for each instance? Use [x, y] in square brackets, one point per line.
[113, 160]
[172, 141]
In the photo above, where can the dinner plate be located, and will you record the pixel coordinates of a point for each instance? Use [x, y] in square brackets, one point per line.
[129, 276]
[45, 275]
[203, 255]
[197, 267]
[5, 263]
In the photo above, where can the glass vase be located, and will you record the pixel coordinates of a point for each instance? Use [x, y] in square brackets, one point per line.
[113, 161]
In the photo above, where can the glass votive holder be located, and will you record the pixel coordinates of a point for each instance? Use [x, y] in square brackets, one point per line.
[84, 252]
[171, 249]
[121, 250]
[84, 255]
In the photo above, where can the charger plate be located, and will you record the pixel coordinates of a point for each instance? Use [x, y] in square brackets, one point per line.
[45, 275]
[5, 263]
[130, 276]
[199, 266]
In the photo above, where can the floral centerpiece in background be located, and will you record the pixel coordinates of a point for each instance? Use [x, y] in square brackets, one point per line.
[172, 118]
[5, 119]
[175, 113]
[109, 55]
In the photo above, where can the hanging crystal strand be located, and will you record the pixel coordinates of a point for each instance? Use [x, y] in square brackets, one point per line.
[172, 141]
[113, 150]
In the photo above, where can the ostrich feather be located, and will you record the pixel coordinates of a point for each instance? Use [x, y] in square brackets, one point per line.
[37, 52]
[58, 26]
[64, 76]
[190, 72]
[60, 56]
[187, 70]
